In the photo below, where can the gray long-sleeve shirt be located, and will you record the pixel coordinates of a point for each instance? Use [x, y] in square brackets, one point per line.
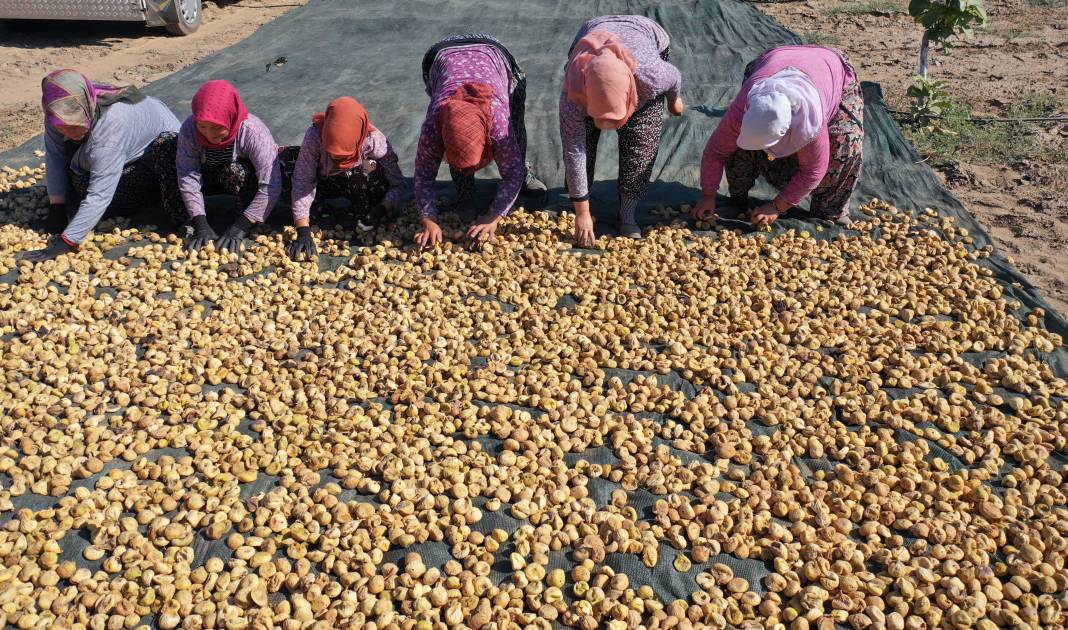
[120, 136]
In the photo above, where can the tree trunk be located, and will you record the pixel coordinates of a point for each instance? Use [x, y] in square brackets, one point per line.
[925, 46]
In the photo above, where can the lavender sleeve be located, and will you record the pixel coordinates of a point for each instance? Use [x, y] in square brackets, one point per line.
[257, 145]
[658, 79]
[187, 161]
[427, 160]
[668, 79]
[305, 176]
[573, 141]
[379, 149]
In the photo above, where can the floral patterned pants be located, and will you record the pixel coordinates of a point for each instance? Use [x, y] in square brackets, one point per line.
[365, 191]
[639, 144]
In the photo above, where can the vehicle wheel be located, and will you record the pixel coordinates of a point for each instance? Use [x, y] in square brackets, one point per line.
[183, 16]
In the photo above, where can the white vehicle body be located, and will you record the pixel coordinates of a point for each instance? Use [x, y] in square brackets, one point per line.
[178, 16]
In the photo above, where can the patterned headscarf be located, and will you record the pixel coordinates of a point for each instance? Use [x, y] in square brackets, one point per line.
[219, 103]
[600, 78]
[68, 97]
[465, 120]
[343, 128]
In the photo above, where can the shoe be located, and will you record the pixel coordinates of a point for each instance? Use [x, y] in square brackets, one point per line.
[629, 230]
[842, 218]
[532, 185]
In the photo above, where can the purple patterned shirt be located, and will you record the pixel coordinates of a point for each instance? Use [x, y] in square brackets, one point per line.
[655, 78]
[453, 67]
[314, 163]
[254, 143]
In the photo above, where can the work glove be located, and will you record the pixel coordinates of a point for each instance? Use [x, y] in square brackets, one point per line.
[57, 218]
[56, 248]
[303, 248]
[202, 234]
[233, 240]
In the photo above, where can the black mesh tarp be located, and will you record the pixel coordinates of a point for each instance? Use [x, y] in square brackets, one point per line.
[373, 50]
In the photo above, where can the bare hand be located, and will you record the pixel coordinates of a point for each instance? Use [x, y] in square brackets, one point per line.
[482, 231]
[430, 235]
[676, 106]
[584, 236]
[705, 210]
[765, 214]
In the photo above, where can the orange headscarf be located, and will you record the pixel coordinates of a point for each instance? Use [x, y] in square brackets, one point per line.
[465, 120]
[600, 79]
[343, 128]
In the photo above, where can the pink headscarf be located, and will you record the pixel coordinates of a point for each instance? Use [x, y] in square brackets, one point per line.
[218, 102]
[600, 78]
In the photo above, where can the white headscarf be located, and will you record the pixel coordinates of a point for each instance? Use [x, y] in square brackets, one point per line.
[783, 114]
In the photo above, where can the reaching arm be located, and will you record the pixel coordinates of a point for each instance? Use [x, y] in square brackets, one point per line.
[56, 164]
[187, 161]
[513, 170]
[306, 176]
[720, 146]
[105, 170]
[382, 152]
[812, 162]
[427, 160]
[256, 143]
[573, 141]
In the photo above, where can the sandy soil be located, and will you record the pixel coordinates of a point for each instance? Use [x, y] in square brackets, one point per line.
[128, 54]
[1024, 48]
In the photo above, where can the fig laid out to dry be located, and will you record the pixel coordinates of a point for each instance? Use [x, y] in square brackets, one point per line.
[443, 439]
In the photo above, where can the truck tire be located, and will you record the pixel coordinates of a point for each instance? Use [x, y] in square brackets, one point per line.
[183, 16]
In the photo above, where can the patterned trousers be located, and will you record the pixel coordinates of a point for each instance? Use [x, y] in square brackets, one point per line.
[151, 178]
[639, 144]
[364, 191]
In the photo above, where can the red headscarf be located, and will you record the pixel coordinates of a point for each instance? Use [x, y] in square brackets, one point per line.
[465, 120]
[218, 102]
[343, 128]
[600, 78]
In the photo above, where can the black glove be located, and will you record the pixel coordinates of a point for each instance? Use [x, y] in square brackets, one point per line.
[202, 234]
[57, 218]
[234, 238]
[56, 248]
[303, 248]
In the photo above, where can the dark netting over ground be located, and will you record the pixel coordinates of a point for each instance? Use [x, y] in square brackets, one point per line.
[859, 427]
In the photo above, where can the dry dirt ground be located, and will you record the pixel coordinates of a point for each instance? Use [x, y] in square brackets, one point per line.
[117, 52]
[1012, 177]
